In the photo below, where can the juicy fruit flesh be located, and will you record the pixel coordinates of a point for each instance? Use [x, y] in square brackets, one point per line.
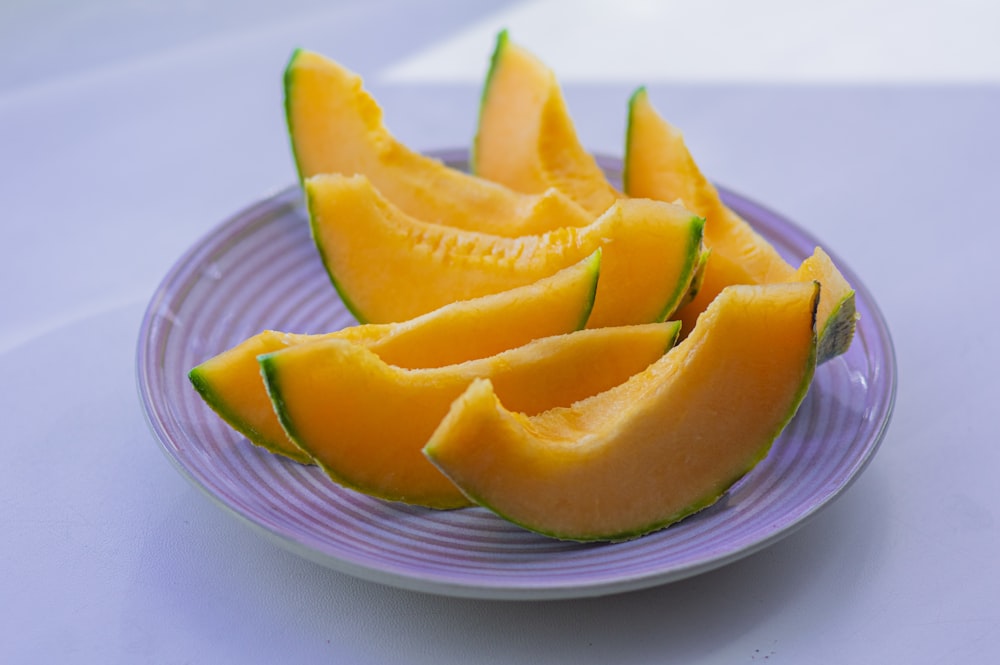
[600, 451]
[664, 444]
[231, 384]
[526, 139]
[336, 126]
[365, 422]
[649, 252]
[658, 165]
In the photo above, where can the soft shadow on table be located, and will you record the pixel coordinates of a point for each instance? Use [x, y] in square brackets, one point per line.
[291, 605]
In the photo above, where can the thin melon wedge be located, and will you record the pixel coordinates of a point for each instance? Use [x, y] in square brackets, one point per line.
[658, 165]
[230, 382]
[336, 126]
[388, 266]
[526, 138]
[365, 421]
[655, 449]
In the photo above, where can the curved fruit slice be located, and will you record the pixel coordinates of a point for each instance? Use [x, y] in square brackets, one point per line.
[231, 385]
[335, 126]
[651, 451]
[658, 165]
[836, 316]
[526, 138]
[365, 422]
[388, 266]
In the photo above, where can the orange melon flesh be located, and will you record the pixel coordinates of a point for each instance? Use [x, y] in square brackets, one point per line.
[365, 422]
[230, 382]
[526, 138]
[388, 266]
[336, 126]
[658, 165]
[654, 449]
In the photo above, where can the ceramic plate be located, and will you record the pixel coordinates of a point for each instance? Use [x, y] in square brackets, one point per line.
[259, 269]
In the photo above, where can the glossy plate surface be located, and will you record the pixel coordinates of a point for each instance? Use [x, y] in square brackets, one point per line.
[259, 269]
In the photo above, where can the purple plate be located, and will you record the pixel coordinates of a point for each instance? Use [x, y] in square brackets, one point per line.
[259, 269]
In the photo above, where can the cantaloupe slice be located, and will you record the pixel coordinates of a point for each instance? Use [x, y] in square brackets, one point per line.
[336, 126]
[526, 138]
[230, 382]
[365, 422]
[655, 449]
[658, 165]
[389, 266]
[836, 316]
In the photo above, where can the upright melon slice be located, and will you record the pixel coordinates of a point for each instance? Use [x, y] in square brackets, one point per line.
[336, 126]
[655, 449]
[389, 266]
[365, 421]
[526, 138]
[230, 382]
[658, 165]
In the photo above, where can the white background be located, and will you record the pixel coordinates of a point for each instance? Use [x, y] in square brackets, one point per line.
[128, 129]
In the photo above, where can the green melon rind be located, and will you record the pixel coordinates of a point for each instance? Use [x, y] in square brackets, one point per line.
[693, 268]
[594, 270]
[838, 332]
[501, 44]
[639, 93]
[221, 407]
[288, 81]
[710, 498]
[325, 259]
[675, 337]
[699, 277]
[271, 373]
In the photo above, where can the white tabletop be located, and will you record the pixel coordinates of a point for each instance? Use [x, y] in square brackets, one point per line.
[128, 130]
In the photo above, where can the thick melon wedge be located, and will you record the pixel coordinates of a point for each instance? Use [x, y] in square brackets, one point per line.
[526, 138]
[336, 126]
[655, 449]
[230, 382]
[365, 422]
[388, 266]
[658, 165]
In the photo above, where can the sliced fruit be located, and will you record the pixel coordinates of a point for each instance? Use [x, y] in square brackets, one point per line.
[230, 382]
[388, 266]
[655, 449]
[526, 138]
[365, 421]
[336, 126]
[836, 317]
[658, 165]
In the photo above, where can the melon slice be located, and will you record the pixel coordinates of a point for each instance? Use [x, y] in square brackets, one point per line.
[658, 165]
[336, 126]
[526, 138]
[365, 421]
[654, 449]
[388, 266]
[231, 385]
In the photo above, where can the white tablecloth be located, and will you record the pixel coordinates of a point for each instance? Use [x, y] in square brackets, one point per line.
[129, 129]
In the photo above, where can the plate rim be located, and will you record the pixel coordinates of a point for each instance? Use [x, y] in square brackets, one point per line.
[290, 196]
